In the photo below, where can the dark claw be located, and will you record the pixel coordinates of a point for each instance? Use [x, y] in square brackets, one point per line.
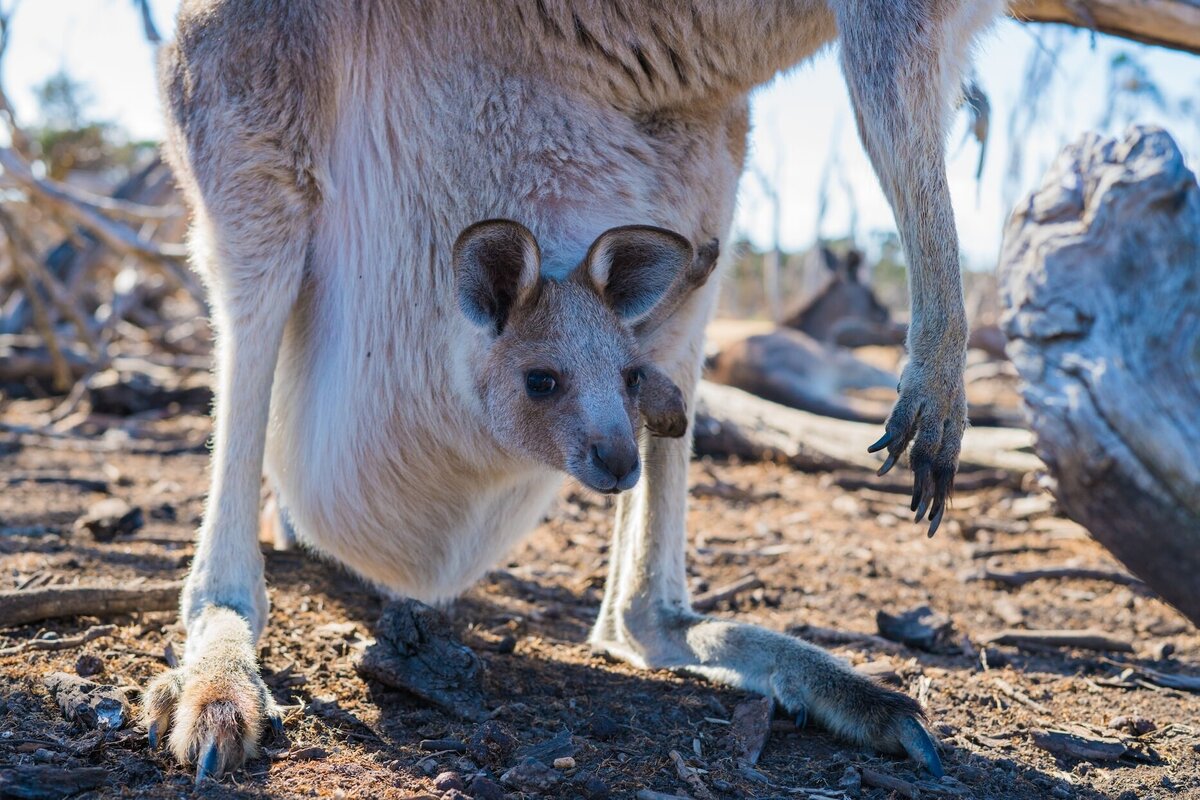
[276, 724]
[801, 717]
[920, 747]
[152, 735]
[207, 766]
[921, 508]
[882, 443]
[935, 519]
[887, 465]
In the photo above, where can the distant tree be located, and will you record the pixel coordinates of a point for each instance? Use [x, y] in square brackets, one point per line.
[69, 138]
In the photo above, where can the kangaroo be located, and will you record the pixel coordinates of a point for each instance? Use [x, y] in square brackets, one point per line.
[332, 150]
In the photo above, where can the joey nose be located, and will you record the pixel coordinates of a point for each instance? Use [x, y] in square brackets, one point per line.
[619, 458]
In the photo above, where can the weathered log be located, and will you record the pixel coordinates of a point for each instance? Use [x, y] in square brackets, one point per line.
[1168, 23]
[1101, 276]
[730, 422]
[22, 607]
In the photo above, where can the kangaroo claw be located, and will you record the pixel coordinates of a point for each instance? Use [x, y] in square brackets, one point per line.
[919, 745]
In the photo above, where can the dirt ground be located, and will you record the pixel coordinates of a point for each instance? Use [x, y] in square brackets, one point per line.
[826, 557]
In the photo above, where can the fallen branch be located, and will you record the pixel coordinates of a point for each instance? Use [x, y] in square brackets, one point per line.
[49, 783]
[689, 776]
[24, 607]
[710, 600]
[1023, 577]
[1013, 693]
[837, 636]
[730, 422]
[1167, 23]
[967, 482]
[1084, 640]
[881, 780]
[65, 643]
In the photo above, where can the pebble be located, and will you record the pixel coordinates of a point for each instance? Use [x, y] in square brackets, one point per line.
[88, 665]
[483, 788]
[564, 763]
[595, 789]
[491, 744]
[446, 781]
[531, 775]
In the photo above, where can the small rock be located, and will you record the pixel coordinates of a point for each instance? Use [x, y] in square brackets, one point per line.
[88, 665]
[970, 774]
[531, 775]
[455, 794]
[851, 782]
[1137, 725]
[42, 754]
[922, 628]
[491, 744]
[595, 789]
[564, 763]
[602, 726]
[483, 788]
[446, 781]
[110, 518]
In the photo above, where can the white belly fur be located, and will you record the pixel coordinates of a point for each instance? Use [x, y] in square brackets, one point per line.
[376, 441]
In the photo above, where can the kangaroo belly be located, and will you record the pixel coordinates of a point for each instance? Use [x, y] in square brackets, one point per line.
[385, 476]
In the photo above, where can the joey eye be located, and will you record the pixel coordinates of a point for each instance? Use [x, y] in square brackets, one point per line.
[539, 383]
[633, 379]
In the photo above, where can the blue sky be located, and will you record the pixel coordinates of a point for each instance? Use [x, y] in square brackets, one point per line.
[802, 120]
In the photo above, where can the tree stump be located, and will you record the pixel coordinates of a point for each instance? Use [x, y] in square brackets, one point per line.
[1101, 278]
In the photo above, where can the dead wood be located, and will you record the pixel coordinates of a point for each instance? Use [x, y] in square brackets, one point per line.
[1083, 640]
[88, 703]
[49, 783]
[690, 776]
[734, 423]
[24, 607]
[64, 643]
[1099, 273]
[967, 482]
[816, 633]
[750, 728]
[414, 651]
[1023, 577]
[1167, 23]
[710, 600]
[1079, 743]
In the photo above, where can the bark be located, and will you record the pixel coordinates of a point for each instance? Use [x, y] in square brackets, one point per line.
[1101, 276]
[1168, 23]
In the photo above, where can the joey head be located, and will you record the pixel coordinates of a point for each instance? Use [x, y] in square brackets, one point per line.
[561, 377]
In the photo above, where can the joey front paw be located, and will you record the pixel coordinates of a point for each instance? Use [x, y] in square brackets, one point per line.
[662, 405]
[931, 415]
[213, 711]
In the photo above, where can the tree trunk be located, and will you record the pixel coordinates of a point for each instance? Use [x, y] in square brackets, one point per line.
[1101, 276]
[1167, 23]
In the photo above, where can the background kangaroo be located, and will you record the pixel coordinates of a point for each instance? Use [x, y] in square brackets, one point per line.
[332, 152]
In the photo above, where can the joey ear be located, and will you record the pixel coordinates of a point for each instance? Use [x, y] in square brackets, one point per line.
[496, 263]
[633, 266]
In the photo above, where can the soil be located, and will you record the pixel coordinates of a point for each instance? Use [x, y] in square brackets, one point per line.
[826, 557]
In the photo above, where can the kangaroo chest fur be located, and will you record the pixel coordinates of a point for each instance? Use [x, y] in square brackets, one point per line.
[376, 444]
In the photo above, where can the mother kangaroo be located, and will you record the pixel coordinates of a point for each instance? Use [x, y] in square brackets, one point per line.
[332, 151]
